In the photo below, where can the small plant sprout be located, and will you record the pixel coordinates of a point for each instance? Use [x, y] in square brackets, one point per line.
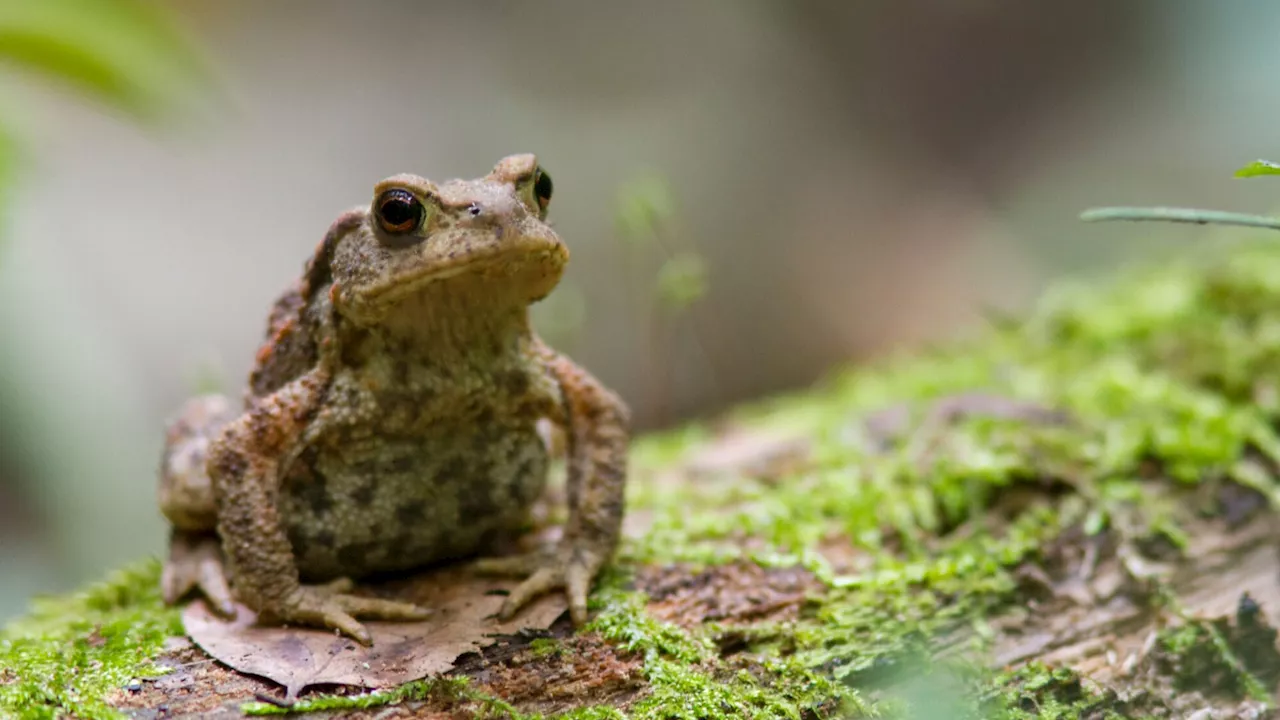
[682, 280]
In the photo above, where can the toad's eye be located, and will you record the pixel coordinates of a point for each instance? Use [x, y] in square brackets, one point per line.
[399, 212]
[542, 188]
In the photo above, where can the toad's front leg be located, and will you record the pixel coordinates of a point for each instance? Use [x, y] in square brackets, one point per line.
[245, 466]
[596, 421]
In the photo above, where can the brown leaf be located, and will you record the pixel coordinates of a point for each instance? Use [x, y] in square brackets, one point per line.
[296, 658]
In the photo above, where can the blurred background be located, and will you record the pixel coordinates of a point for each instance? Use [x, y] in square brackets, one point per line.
[754, 192]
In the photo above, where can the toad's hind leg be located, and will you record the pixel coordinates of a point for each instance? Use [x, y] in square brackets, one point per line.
[186, 499]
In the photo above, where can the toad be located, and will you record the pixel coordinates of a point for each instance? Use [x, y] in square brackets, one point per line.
[390, 420]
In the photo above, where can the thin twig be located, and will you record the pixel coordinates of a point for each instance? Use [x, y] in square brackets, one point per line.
[1183, 215]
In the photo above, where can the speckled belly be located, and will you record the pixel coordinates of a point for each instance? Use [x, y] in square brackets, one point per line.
[375, 504]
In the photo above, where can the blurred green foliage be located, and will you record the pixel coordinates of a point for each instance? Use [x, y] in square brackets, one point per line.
[645, 204]
[646, 212]
[682, 280]
[666, 275]
[8, 159]
[125, 54]
[561, 316]
[1259, 167]
[661, 274]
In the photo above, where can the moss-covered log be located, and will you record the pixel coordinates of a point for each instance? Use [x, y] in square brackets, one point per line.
[1071, 516]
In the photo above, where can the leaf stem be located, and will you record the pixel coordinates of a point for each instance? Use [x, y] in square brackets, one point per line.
[1183, 215]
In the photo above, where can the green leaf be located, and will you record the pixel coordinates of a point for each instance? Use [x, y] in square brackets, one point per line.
[1259, 167]
[123, 52]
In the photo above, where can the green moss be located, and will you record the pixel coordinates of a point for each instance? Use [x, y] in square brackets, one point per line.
[546, 647]
[685, 682]
[1199, 657]
[1039, 692]
[1179, 367]
[681, 693]
[869, 624]
[621, 618]
[69, 653]
[595, 712]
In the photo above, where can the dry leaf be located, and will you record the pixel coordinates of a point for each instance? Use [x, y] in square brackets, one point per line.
[296, 658]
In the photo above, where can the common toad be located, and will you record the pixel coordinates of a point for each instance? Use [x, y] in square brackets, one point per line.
[391, 417]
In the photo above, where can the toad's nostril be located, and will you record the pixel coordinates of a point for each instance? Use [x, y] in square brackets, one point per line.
[474, 209]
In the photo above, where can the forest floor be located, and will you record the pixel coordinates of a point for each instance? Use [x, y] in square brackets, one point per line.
[1072, 516]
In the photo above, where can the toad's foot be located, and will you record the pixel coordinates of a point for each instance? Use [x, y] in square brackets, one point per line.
[195, 563]
[330, 606]
[568, 568]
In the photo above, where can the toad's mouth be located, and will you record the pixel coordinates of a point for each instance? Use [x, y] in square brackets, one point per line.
[535, 270]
